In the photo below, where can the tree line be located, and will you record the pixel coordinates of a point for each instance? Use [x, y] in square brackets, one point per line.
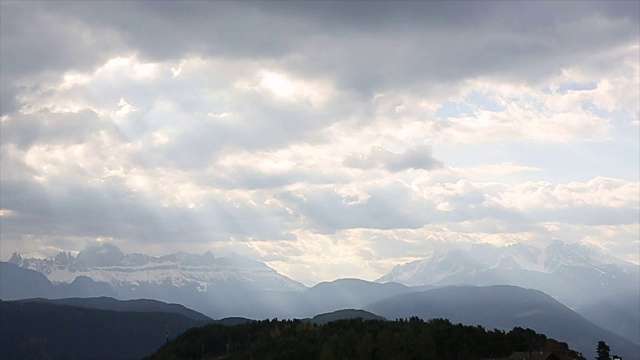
[411, 338]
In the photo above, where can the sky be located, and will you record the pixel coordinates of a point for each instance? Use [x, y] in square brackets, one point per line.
[327, 139]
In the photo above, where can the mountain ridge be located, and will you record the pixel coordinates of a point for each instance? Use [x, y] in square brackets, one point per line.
[234, 285]
[572, 273]
[126, 273]
[136, 305]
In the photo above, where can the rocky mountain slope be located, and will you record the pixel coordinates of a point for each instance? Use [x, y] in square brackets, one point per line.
[136, 275]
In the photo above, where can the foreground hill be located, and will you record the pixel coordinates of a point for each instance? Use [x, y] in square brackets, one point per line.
[355, 339]
[36, 330]
[505, 307]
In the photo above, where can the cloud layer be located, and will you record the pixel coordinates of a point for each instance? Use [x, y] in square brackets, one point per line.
[328, 139]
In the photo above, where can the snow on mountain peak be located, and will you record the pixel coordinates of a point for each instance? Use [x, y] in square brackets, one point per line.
[484, 257]
[106, 263]
[569, 272]
[559, 254]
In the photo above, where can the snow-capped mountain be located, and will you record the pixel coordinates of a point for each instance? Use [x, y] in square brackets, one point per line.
[572, 273]
[131, 274]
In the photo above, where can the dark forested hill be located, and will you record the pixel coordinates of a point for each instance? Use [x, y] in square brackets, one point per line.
[34, 330]
[355, 339]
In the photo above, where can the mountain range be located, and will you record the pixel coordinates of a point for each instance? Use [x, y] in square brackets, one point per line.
[573, 274]
[601, 288]
[576, 275]
[129, 274]
[104, 328]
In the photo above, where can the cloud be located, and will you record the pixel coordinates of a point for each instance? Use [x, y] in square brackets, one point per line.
[50, 128]
[601, 192]
[326, 210]
[417, 157]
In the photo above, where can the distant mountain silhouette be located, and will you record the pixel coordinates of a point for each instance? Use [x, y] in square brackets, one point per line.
[37, 330]
[139, 305]
[322, 298]
[619, 313]
[346, 314]
[231, 321]
[505, 307]
[350, 293]
[20, 283]
[83, 286]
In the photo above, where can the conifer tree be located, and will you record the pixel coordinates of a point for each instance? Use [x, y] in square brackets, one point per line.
[603, 351]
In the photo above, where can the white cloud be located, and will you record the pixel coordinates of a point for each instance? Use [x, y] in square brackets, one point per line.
[419, 157]
[600, 192]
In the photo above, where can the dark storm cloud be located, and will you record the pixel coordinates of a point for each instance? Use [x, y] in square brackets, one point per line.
[368, 46]
[40, 37]
[418, 157]
[418, 44]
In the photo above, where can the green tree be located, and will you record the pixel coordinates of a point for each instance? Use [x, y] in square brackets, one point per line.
[365, 347]
[327, 352]
[603, 351]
